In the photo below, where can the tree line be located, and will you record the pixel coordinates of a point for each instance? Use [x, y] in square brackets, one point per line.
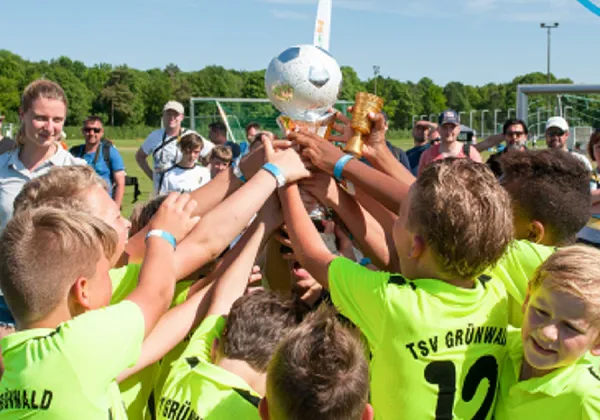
[124, 96]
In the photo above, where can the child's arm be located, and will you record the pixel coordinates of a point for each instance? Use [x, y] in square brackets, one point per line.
[210, 195]
[367, 231]
[219, 227]
[324, 155]
[309, 248]
[232, 284]
[157, 276]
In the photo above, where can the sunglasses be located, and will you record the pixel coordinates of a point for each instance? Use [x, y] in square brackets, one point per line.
[515, 133]
[90, 129]
[558, 133]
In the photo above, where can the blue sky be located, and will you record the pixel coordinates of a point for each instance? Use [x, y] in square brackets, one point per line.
[471, 41]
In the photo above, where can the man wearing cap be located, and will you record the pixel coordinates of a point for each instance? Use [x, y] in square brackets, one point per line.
[6, 143]
[162, 144]
[449, 146]
[557, 134]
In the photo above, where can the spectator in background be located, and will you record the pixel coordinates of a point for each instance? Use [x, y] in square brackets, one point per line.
[515, 135]
[103, 156]
[43, 112]
[590, 234]
[420, 135]
[449, 146]
[218, 135]
[162, 144]
[220, 159]
[186, 175]
[252, 130]
[557, 134]
[6, 143]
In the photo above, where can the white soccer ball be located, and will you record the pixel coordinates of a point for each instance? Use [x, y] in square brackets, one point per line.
[303, 82]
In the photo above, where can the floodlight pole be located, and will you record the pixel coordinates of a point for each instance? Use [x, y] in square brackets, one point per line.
[549, 27]
[496, 111]
[376, 72]
[483, 111]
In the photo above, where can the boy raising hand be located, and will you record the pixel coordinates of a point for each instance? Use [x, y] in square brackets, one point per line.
[70, 345]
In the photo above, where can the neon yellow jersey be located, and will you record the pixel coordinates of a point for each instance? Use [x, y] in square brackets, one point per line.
[141, 386]
[572, 392]
[124, 281]
[181, 294]
[515, 269]
[197, 389]
[437, 349]
[69, 372]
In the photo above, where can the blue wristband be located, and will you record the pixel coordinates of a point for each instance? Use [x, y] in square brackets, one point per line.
[162, 234]
[276, 172]
[339, 166]
[237, 171]
[365, 261]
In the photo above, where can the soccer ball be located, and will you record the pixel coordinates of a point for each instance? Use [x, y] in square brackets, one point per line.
[303, 82]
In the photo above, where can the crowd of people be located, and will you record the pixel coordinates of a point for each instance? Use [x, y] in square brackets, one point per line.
[433, 286]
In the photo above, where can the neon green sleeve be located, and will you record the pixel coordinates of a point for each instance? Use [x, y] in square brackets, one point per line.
[360, 294]
[201, 342]
[102, 343]
[124, 281]
[515, 269]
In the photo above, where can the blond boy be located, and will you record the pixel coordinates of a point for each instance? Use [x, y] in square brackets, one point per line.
[437, 332]
[220, 159]
[64, 359]
[550, 371]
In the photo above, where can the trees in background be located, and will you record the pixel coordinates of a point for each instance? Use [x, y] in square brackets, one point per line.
[123, 96]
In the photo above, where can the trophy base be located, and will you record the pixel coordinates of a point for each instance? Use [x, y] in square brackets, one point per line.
[322, 127]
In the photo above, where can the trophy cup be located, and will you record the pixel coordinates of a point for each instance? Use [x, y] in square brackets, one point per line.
[303, 83]
[365, 103]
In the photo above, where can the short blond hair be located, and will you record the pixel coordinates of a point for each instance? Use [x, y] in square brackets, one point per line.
[574, 270]
[463, 214]
[319, 371]
[43, 252]
[221, 152]
[60, 183]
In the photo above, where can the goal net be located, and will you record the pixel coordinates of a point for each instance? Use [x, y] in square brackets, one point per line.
[578, 104]
[237, 113]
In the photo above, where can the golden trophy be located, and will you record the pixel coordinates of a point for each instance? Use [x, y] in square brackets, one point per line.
[361, 124]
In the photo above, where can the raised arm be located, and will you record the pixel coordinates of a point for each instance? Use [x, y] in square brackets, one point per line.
[229, 286]
[218, 228]
[491, 141]
[309, 248]
[157, 276]
[210, 195]
[367, 231]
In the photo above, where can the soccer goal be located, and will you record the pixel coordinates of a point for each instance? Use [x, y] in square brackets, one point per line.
[578, 104]
[236, 114]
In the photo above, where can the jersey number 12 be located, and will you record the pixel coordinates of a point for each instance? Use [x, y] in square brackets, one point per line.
[443, 374]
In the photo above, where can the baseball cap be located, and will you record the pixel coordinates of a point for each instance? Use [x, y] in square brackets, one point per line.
[175, 106]
[558, 122]
[449, 116]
